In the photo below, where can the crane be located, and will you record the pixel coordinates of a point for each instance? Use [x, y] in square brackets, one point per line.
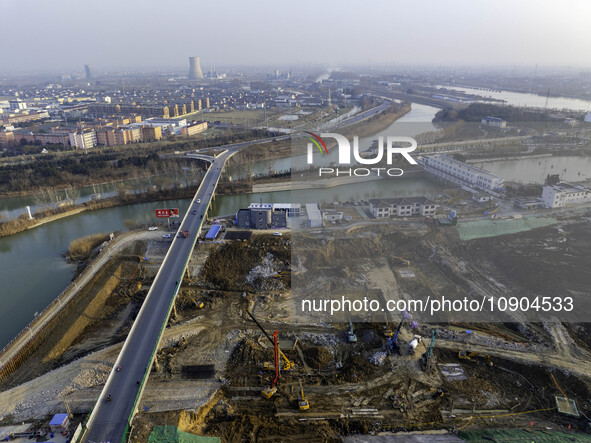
[303, 403]
[272, 389]
[287, 363]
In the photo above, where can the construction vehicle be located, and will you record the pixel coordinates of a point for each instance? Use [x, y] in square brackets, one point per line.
[387, 331]
[468, 355]
[272, 389]
[303, 403]
[198, 304]
[351, 334]
[427, 358]
[436, 392]
[412, 346]
[393, 344]
[400, 260]
[287, 363]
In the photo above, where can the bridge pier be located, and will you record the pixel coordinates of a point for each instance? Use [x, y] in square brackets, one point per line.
[156, 366]
[174, 314]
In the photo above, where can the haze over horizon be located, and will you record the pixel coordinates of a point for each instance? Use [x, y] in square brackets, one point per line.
[64, 35]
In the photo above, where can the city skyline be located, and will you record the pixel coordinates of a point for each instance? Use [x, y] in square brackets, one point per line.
[384, 33]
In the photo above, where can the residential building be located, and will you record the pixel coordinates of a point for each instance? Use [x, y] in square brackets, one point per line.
[84, 139]
[402, 207]
[151, 133]
[563, 194]
[332, 215]
[447, 169]
[194, 128]
[6, 138]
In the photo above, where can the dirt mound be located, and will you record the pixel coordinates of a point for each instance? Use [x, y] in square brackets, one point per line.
[318, 355]
[248, 353]
[228, 266]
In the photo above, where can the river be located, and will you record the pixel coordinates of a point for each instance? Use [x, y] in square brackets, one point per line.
[535, 170]
[525, 99]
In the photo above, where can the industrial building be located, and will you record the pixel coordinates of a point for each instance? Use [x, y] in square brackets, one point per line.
[494, 121]
[444, 168]
[195, 69]
[314, 215]
[563, 193]
[402, 207]
[266, 215]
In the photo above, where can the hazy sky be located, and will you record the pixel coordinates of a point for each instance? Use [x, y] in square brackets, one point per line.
[62, 35]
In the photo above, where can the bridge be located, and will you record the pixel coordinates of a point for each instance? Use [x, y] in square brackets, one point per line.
[110, 419]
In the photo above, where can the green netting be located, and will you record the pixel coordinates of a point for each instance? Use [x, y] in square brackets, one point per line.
[491, 228]
[172, 434]
[522, 435]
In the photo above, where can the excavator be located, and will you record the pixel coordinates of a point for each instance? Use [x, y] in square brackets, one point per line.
[272, 389]
[387, 331]
[400, 260]
[287, 363]
[351, 337]
[468, 355]
[303, 403]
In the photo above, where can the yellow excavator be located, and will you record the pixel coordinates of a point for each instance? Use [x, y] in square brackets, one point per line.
[303, 403]
[468, 355]
[400, 260]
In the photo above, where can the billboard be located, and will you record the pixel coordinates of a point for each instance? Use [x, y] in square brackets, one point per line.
[165, 213]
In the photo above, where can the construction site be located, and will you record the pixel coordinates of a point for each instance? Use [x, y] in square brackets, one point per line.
[240, 362]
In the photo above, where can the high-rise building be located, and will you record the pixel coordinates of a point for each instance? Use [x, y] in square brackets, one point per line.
[195, 69]
[88, 70]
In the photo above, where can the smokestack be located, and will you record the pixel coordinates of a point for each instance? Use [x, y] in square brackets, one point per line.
[88, 70]
[194, 69]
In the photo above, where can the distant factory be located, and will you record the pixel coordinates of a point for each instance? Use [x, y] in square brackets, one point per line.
[267, 215]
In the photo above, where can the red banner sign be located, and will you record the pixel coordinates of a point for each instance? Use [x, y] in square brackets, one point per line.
[165, 213]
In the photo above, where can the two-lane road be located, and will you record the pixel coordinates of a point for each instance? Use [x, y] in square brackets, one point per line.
[109, 419]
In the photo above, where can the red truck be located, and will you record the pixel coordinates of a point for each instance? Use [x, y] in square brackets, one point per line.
[183, 234]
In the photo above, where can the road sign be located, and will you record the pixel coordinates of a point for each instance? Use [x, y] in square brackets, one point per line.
[165, 213]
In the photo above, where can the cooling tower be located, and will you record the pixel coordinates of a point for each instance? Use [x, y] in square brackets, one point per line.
[194, 69]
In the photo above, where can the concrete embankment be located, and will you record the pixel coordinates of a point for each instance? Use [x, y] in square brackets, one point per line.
[76, 306]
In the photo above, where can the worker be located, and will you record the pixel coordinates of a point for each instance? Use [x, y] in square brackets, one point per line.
[137, 382]
[109, 398]
[118, 368]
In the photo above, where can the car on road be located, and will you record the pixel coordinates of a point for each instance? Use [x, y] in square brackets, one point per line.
[198, 200]
[152, 228]
[194, 212]
[278, 234]
[166, 235]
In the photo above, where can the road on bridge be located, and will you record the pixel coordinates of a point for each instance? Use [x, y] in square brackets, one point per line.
[109, 419]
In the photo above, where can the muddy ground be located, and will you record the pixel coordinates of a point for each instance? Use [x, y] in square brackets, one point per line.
[212, 374]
